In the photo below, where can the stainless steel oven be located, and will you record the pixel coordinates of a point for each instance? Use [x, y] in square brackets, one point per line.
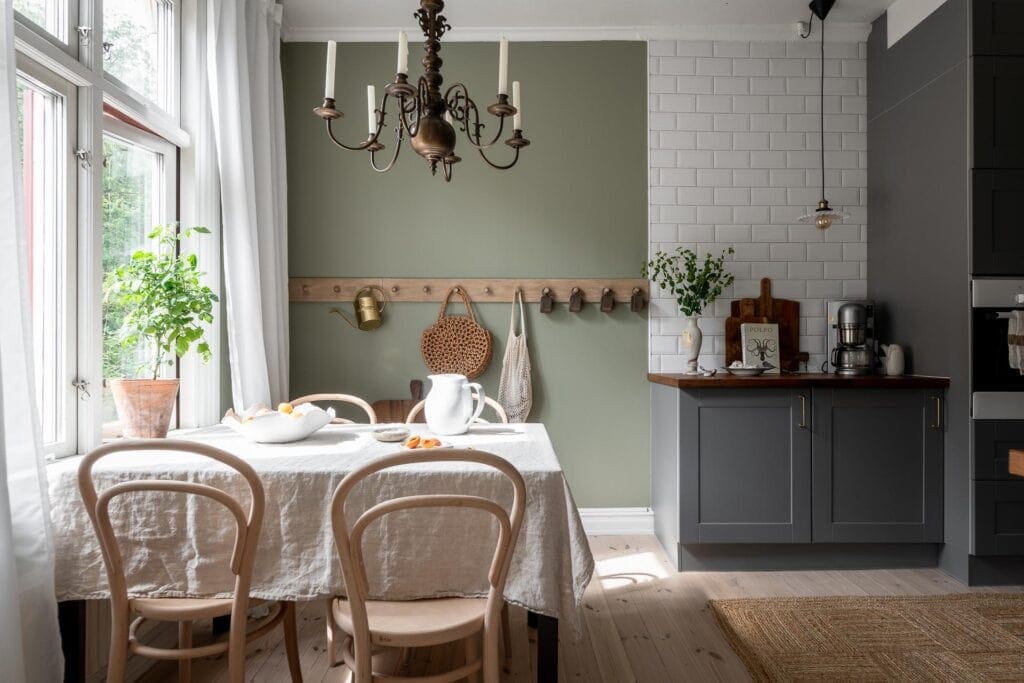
[997, 389]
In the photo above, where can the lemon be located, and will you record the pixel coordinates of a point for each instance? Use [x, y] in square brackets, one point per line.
[285, 408]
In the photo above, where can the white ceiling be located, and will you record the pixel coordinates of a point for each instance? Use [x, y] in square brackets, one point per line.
[545, 19]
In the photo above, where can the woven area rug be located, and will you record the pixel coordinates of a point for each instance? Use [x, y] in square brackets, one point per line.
[963, 637]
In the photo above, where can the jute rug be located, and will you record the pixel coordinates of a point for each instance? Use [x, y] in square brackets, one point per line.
[963, 637]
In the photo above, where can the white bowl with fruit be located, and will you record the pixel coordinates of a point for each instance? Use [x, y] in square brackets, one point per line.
[286, 424]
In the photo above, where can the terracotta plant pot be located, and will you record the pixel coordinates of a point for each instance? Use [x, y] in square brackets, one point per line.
[144, 405]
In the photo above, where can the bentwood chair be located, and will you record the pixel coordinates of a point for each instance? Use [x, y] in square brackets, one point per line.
[339, 398]
[372, 625]
[184, 611]
[498, 409]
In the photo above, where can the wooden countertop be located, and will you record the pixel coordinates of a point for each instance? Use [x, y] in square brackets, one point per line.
[724, 380]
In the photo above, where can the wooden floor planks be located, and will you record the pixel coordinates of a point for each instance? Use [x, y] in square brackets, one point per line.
[642, 622]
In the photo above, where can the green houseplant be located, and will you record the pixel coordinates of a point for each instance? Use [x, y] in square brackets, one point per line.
[163, 303]
[695, 285]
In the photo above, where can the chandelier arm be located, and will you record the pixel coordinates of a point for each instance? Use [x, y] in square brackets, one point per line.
[381, 114]
[499, 166]
[394, 157]
[471, 105]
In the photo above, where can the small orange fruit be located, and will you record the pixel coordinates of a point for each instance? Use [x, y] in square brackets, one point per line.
[412, 441]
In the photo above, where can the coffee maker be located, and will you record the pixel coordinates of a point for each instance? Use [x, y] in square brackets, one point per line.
[851, 337]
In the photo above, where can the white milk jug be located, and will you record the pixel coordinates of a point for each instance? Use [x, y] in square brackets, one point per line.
[894, 360]
[449, 406]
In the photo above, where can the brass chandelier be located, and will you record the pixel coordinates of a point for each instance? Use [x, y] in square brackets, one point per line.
[428, 117]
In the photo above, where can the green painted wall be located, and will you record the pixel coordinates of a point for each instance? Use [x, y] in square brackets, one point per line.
[575, 206]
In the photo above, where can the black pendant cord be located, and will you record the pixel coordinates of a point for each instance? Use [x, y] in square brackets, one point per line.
[822, 112]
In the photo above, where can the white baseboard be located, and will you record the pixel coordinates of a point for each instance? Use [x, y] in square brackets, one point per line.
[617, 521]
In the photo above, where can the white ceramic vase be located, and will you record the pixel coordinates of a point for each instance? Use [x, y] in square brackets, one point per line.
[691, 339]
[450, 407]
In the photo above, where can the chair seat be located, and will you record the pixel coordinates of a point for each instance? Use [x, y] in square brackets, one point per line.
[184, 609]
[416, 623]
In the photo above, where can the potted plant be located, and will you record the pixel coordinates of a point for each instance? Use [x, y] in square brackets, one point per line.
[163, 302]
[694, 287]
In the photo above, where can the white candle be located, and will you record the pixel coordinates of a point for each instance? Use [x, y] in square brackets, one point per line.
[403, 53]
[517, 118]
[371, 105]
[503, 67]
[332, 54]
[448, 118]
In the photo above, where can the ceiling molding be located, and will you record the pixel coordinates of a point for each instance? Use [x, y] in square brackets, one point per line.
[837, 32]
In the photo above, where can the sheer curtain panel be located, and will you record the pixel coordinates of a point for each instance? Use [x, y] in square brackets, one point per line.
[247, 100]
[29, 635]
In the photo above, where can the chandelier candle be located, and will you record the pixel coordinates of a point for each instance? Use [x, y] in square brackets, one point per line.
[332, 55]
[503, 67]
[430, 117]
[517, 118]
[403, 53]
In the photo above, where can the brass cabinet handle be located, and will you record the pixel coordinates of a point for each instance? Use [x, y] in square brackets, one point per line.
[803, 412]
[938, 412]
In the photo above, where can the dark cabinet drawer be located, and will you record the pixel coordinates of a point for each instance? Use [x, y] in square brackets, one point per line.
[998, 222]
[993, 440]
[998, 103]
[998, 517]
[997, 27]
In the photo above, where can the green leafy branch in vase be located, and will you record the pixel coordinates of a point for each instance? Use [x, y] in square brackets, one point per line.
[162, 298]
[693, 287]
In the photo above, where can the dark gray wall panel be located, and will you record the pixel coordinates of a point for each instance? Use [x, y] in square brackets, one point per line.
[919, 228]
[936, 45]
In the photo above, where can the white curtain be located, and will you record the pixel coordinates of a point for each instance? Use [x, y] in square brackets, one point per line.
[247, 99]
[29, 635]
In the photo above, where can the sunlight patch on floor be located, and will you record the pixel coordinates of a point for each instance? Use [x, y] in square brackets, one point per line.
[624, 570]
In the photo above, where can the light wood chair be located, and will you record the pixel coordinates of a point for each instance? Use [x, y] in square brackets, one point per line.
[371, 625]
[498, 409]
[339, 398]
[184, 611]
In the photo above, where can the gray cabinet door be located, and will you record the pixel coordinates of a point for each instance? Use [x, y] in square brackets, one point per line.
[745, 466]
[877, 466]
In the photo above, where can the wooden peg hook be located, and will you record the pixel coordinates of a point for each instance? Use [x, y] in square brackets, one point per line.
[607, 300]
[636, 302]
[546, 302]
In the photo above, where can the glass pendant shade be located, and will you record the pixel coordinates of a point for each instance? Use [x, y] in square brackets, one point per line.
[824, 216]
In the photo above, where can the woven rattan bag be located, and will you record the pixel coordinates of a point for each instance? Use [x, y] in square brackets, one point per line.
[457, 343]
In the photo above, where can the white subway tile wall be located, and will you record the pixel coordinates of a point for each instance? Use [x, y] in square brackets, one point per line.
[735, 154]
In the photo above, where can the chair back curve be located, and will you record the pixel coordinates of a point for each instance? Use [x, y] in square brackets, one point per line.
[349, 539]
[498, 409]
[339, 398]
[247, 522]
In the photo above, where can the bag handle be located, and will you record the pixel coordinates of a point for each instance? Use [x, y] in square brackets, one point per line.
[465, 299]
[517, 297]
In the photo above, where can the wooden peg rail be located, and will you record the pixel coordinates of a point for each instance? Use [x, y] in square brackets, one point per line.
[480, 290]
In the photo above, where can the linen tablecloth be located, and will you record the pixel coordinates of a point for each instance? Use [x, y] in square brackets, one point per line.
[179, 546]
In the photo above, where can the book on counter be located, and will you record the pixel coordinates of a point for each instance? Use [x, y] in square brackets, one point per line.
[760, 343]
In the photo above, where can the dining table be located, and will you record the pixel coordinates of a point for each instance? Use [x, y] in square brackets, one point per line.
[182, 549]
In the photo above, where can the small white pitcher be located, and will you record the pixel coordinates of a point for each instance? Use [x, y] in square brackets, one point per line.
[449, 406]
[894, 360]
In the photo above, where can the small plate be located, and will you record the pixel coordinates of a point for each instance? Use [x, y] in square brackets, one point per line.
[745, 372]
[391, 434]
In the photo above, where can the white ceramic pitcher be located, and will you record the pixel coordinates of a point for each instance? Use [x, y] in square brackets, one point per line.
[449, 407]
[894, 359]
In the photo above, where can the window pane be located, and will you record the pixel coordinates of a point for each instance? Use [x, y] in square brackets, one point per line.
[138, 49]
[132, 181]
[47, 14]
[42, 147]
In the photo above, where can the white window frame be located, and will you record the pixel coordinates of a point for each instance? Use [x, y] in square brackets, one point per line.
[80, 62]
[71, 39]
[68, 227]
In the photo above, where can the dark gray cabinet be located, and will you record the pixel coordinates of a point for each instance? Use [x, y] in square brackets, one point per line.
[997, 27]
[998, 197]
[877, 463]
[998, 517]
[745, 466]
[998, 102]
[993, 440]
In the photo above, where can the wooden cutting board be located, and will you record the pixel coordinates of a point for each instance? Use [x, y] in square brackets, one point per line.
[766, 309]
[395, 410]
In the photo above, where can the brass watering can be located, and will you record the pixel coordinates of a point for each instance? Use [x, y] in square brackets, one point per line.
[368, 309]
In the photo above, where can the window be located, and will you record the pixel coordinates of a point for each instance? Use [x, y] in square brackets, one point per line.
[139, 192]
[49, 15]
[95, 184]
[139, 47]
[45, 115]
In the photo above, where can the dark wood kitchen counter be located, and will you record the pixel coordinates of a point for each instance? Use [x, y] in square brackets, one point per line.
[724, 380]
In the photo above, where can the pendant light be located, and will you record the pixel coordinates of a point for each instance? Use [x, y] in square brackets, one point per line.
[824, 216]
